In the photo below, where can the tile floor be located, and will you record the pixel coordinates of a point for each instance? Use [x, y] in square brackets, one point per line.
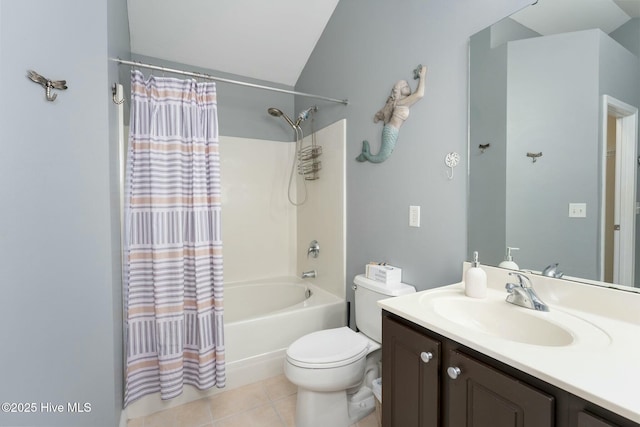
[269, 403]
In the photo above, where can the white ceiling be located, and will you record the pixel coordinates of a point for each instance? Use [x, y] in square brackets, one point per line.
[263, 39]
[559, 16]
[272, 39]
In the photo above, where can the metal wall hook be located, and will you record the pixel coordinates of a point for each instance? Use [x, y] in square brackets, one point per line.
[483, 147]
[451, 160]
[534, 156]
[47, 84]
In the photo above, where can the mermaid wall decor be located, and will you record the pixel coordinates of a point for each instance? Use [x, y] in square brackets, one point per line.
[394, 113]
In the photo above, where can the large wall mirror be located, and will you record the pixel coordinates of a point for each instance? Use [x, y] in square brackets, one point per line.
[553, 158]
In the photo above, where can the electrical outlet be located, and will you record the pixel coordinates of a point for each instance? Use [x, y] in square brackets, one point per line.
[414, 216]
[577, 210]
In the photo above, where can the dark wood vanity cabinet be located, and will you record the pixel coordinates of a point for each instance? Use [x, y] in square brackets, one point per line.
[410, 376]
[431, 381]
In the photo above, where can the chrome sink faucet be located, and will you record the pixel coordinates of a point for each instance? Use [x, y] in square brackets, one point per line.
[522, 294]
[552, 271]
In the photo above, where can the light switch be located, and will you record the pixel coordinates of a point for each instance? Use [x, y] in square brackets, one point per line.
[577, 210]
[414, 216]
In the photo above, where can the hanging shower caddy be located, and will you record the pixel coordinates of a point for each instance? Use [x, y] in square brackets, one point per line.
[308, 163]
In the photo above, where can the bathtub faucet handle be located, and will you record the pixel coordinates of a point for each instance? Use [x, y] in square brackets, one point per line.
[309, 274]
[314, 249]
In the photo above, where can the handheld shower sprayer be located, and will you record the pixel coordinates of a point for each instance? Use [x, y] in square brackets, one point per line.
[275, 112]
[303, 156]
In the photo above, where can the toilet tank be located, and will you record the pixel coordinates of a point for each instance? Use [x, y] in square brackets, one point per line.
[367, 293]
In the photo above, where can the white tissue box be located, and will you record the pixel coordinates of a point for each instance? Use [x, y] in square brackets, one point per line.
[383, 273]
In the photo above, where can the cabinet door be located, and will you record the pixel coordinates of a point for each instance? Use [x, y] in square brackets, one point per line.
[586, 414]
[585, 419]
[410, 377]
[481, 396]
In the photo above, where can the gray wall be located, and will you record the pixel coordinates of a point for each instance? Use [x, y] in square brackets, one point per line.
[618, 68]
[488, 125]
[553, 108]
[628, 35]
[553, 97]
[59, 310]
[118, 47]
[367, 47]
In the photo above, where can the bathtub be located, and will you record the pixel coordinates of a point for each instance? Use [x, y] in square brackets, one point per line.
[262, 318]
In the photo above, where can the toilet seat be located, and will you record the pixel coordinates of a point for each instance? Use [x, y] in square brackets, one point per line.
[329, 348]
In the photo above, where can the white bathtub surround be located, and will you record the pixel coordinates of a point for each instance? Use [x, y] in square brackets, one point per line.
[323, 216]
[258, 223]
[264, 235]
[597, 362]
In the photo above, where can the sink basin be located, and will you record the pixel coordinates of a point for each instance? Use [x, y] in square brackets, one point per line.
[503, 320]
[497, 318]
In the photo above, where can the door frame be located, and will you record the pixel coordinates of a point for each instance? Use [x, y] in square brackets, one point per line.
[625, 187]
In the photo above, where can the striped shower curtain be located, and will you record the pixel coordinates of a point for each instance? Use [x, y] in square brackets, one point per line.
[173, 247]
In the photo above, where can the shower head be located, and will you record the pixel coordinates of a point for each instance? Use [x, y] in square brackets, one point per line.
[278, 113]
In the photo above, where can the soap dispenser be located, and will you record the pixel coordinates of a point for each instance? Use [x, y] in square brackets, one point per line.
[508, 260]
[475, 280]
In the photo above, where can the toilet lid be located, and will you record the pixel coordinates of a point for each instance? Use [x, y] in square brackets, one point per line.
[328, 348]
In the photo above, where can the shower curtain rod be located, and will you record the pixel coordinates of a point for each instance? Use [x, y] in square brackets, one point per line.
[220, 79]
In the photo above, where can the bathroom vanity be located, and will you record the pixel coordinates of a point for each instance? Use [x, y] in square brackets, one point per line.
[453, 361]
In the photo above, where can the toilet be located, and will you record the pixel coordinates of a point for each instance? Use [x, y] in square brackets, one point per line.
[334, 368]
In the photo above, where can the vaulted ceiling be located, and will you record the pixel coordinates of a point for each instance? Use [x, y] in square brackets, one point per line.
[271, 40]
[263, 39]
[560, 16]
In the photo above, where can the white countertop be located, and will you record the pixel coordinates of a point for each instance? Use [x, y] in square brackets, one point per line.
[602, 365]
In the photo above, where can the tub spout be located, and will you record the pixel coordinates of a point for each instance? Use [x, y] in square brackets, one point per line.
[309, 274]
